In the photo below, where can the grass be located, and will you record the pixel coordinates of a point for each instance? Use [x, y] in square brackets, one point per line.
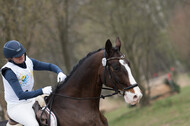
[171, 111]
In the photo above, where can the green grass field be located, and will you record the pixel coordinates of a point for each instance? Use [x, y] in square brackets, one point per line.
[171, 111]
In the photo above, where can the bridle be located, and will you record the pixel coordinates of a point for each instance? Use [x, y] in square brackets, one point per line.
[112, 76]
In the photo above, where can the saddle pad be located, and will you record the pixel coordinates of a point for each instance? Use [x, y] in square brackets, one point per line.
[53, 117]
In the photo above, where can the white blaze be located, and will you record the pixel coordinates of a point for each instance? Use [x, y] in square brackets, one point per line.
[131, 98]
[131, 78]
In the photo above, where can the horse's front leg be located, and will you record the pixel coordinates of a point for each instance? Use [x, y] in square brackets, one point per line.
[103, 119]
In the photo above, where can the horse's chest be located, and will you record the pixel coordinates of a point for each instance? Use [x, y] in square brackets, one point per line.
[90, 119]
[85, 119]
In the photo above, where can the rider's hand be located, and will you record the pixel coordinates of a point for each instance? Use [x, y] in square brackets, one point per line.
[61, 77]
[47, 90]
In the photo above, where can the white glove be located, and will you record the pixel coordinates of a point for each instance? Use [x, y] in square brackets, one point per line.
[61, 77]
[47, 90]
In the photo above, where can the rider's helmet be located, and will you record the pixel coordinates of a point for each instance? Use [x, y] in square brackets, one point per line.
[13, 49]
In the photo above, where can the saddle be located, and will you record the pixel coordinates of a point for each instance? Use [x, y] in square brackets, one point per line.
[42, 115]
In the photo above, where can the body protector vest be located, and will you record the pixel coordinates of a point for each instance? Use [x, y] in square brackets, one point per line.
[25, 78]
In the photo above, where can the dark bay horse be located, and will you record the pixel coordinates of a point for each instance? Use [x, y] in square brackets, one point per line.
[76, 101]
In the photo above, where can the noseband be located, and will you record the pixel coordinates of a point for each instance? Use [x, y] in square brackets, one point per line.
[112, 77]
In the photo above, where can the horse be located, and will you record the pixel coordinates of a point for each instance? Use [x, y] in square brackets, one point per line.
[75, 102]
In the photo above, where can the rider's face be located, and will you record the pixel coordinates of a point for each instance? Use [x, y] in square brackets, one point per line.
[19, 60]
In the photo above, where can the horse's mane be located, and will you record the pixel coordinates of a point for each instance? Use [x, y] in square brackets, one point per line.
[76, 66]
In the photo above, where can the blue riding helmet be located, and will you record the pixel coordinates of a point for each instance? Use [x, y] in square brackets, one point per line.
[13, 49]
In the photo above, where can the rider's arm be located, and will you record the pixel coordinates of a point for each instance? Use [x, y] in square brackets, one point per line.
[10, 76]
[38, 65]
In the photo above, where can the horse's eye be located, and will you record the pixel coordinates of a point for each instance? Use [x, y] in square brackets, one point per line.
[116, 68]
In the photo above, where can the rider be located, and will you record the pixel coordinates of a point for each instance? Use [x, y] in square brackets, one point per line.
[18, 82]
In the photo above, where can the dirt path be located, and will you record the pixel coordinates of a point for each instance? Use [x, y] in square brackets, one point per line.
[157, 88]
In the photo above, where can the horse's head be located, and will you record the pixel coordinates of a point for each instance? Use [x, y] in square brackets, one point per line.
[117, 73]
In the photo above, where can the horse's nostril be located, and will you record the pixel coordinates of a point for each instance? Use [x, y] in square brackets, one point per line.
[135, 97]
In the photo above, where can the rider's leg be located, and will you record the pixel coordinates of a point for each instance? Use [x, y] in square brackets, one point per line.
[23, 114]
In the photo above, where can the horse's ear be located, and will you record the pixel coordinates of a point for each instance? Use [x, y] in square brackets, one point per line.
[118, 43]
[108, 47]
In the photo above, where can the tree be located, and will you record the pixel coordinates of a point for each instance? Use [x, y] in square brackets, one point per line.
[61, 15]
[179, 33]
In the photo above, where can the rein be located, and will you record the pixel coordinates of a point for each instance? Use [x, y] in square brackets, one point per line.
[87, 98]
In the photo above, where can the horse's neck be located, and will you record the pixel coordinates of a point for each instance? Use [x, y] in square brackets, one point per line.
[85, 82]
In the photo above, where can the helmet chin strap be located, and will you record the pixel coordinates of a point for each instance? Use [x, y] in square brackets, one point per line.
[23, 65]
[18, 64]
